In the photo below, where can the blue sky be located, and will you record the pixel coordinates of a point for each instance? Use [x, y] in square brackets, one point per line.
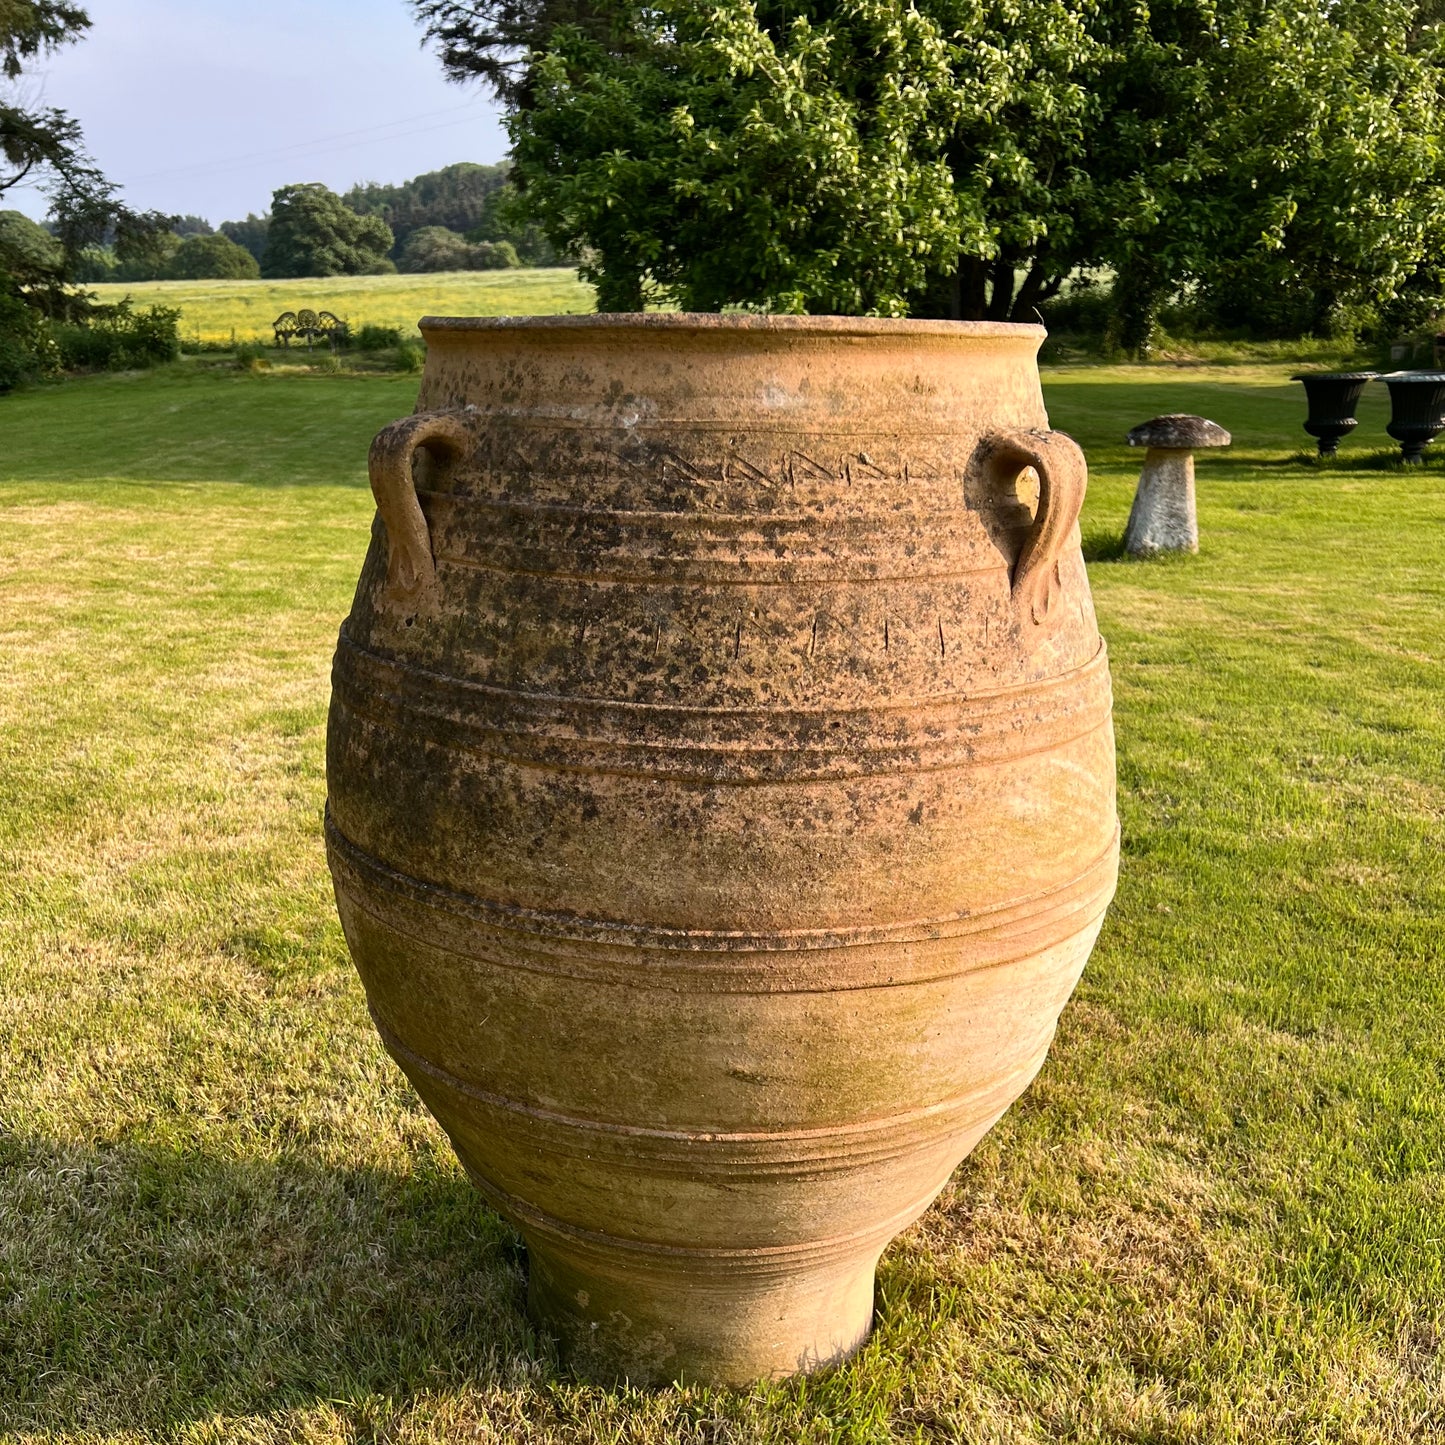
[204, 107]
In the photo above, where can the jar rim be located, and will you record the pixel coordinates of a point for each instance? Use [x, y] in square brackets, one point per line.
[705, 322]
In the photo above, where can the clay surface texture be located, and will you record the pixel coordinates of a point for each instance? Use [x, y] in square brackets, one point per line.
[721, 799]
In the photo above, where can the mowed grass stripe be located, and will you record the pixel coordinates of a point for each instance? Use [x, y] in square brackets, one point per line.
[223, 1215]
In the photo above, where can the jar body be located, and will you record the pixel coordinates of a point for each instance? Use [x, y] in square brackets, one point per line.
[721, 824]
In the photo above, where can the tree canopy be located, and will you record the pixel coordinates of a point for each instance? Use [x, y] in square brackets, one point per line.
[314, 233]
[434, 248]
[203, 257]
[473, 200]
[30, 253]
[964, 157]
[42, 145]
[454, 197]
[250, 233]
[492, 41]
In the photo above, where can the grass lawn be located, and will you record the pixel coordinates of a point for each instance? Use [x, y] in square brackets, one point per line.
[1218, 1216]
[244, 310]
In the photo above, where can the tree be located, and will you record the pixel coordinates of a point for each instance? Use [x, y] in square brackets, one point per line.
[476, 200]
[716, 165]
[964, 157]
[454, 197]
[494, 256]
[434, 248]
[149, 260]
[491, 40]
[39, 143]
[313, 233]
[33, 257]
[250, 233]
[1344, 121]
[216, 257]
[44, 144]
[503, 222]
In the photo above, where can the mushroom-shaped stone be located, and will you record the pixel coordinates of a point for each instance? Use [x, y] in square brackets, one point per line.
[1163, 517]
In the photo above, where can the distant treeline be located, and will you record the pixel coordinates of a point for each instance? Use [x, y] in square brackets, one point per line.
[455, 219]
[471, 201]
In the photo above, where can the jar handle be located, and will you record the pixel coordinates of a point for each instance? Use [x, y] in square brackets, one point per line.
[1063, 476]
[410, 570]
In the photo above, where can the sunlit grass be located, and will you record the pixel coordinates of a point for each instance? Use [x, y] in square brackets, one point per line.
[220, 311]
[1217, 1216]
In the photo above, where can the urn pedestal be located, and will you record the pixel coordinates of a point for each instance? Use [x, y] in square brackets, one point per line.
[721, 798]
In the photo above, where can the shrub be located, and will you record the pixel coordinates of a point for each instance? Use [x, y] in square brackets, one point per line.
[118, 338]
[252, 356]
[377, 338]
[1085, 311]
[382, 266]
[408, 357]
[27, 350]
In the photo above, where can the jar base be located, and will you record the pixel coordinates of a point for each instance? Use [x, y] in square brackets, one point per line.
[651, 1317]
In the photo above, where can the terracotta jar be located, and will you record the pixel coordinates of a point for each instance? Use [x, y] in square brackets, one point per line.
[721, 798]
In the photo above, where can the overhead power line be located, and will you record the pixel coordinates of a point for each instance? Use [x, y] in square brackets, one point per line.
[400, 129]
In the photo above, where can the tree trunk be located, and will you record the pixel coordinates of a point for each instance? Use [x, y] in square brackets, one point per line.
[971, 289]
[1002, 279]
[1139, 291]
[1039, 286]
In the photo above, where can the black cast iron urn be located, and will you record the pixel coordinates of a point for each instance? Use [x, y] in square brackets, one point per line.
[1332, 397]
[1417, 410]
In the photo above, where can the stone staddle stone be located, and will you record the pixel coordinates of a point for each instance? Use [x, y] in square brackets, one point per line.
[1163, 517]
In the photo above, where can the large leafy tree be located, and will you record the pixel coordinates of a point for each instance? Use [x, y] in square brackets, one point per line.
[492, 41]
[200, 258]
[1282, 159]
[32, 255]
[1325, 187]
[314, 233]
[475, 200]
[40, 144]
[720, 163]
[455, 197]
[250, 233]
[964, 157]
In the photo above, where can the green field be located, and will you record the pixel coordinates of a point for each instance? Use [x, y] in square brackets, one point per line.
[220, 311]
[1216, 1217]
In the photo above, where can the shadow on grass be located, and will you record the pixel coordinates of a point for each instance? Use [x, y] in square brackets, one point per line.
[1104, 546]
[147, 1288]
[1310, 464]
